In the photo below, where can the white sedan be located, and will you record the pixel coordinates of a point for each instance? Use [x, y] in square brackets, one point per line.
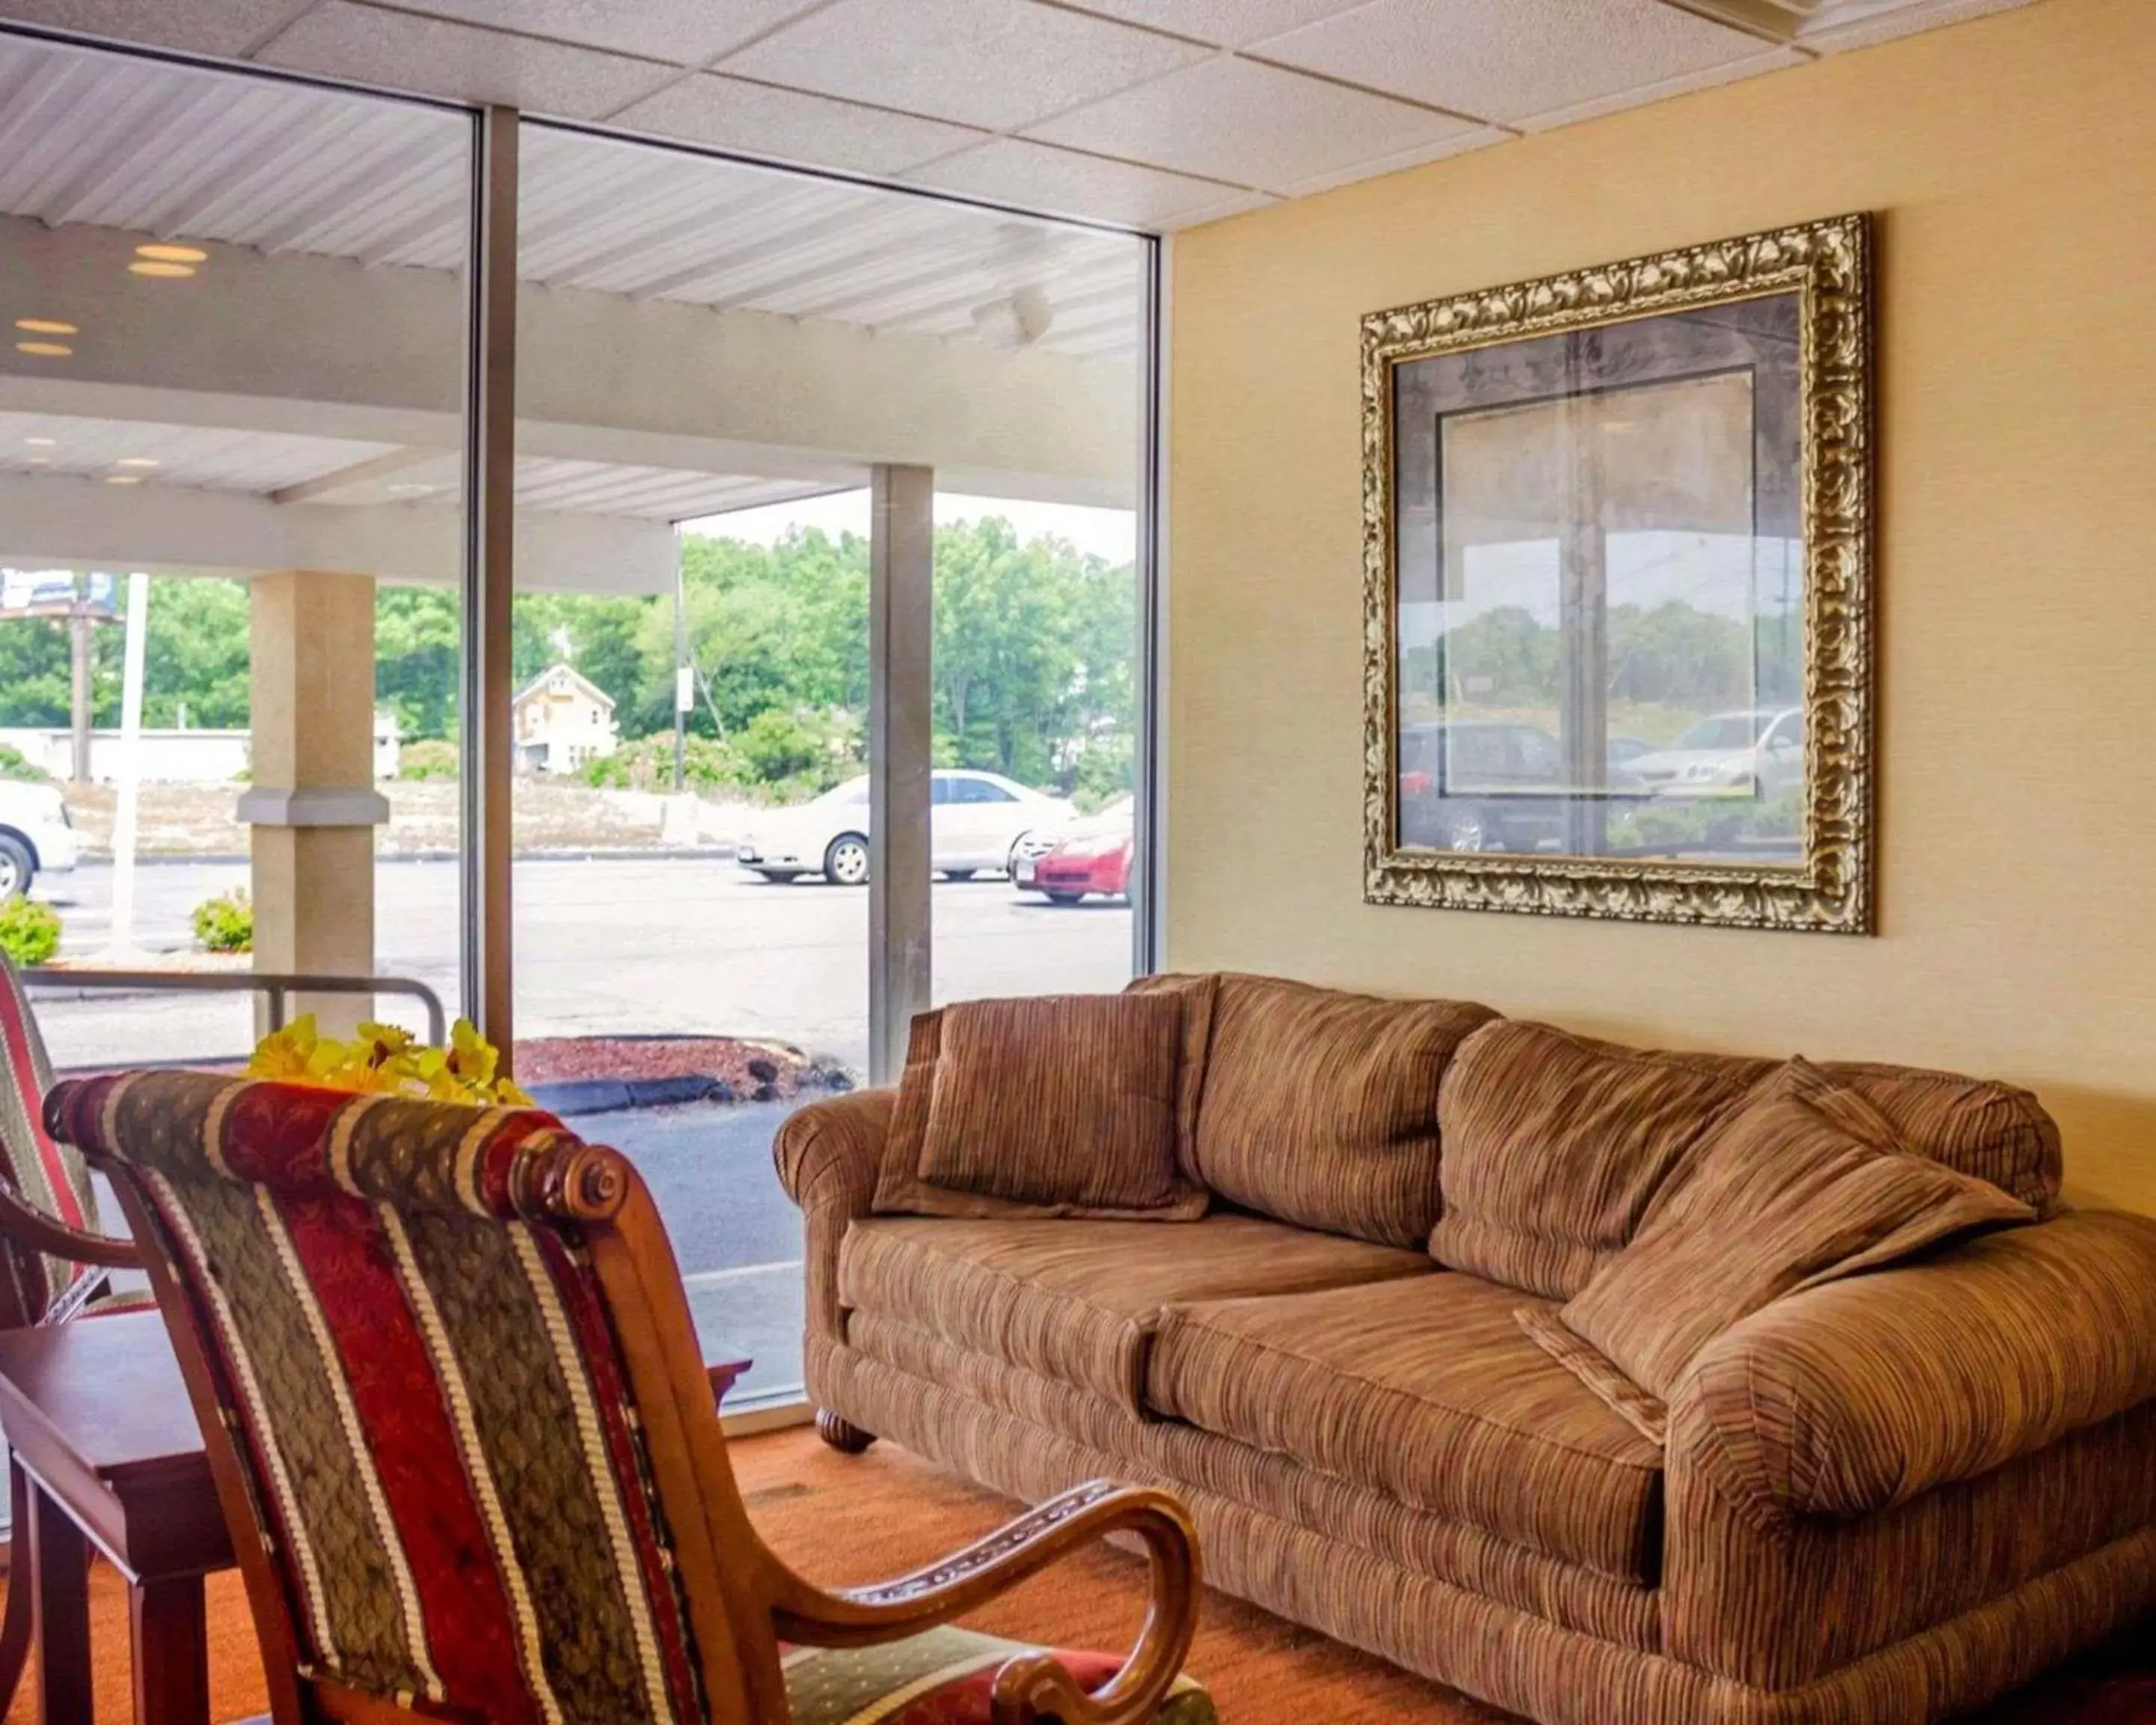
[976, 821]
[35, 836]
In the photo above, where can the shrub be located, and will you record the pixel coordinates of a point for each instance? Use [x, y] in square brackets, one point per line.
[429, 757]
[226, 924]
[15, 764]
[29, 932]
[646, 764]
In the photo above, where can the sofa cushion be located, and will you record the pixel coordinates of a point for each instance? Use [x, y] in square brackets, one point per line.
[1804, 1184]
[1054, 1107]
[1320, 1108]
[1079, 1302]
[1423, 1388]
[1557, 1145]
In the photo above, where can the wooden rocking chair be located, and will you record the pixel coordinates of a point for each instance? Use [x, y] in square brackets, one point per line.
[473, 1468]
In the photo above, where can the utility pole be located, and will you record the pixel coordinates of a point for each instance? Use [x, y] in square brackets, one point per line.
[79, 629]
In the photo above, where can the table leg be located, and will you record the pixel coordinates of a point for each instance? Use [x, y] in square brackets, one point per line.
[60, 1560]
[172, 1652]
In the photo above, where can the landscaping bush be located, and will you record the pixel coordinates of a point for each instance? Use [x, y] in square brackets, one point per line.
[226, 924]
[15, 764]
[429, 757]
[647, 764]
[29, 932]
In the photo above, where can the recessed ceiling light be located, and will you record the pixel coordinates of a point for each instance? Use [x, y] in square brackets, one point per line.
[123, 479]
[46, 326]
[135, 461]
[164, 272]
[172, 253]
[45, 349]
[41, 460]
[42, 443]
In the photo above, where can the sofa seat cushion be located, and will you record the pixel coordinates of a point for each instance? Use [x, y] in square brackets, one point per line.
[1079, 1302]
[1425, 1389]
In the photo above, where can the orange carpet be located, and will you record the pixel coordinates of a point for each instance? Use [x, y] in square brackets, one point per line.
[844, 1520]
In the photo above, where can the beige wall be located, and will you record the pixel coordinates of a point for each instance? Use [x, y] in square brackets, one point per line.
[2013, 161]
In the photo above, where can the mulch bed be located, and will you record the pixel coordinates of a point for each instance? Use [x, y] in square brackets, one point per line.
[657, 1070]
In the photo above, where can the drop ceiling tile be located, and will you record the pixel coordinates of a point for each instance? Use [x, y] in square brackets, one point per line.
[1480, 137]
[1866, 26]
[460, 61]
[994, 63]
[794, 125]
[1061, 182]
[1228, 22]
[1242, 204]
[1774, 59]
[1506, 60]
[687, 31]
[1257, 126]
[221, 27]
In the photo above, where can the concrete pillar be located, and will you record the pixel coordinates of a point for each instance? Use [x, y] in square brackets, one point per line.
[313, 805]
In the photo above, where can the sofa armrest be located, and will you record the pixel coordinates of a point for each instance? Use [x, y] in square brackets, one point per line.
[1860, 1394]
[826, 1155]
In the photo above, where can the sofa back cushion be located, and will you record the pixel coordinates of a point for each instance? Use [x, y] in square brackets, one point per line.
[1320, 1108]
[1556, 1145]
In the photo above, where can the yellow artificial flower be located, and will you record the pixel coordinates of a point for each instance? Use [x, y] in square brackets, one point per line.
[284, 1054]
[472, 1057]
[387, 1060]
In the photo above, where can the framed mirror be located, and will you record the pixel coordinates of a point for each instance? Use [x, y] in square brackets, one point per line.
[1618, 635]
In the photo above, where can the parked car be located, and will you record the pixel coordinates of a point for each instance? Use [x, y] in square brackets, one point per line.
[35, 836]
[1754, 751]
[1089, 855]
[1491, 784]
[977, 823]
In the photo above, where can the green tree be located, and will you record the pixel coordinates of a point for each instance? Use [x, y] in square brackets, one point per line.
[417, 658]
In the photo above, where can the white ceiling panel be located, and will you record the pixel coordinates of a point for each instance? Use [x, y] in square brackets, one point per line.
[1774, 59]
[1228, 22]
[1479, 137]
[219, 460]
[1234, 119]
[793, 126]
[1061, 182]
[434, 58]
[995, 63]
[686, 32]
[1508, 61]
[1851, 25]
[226, 27]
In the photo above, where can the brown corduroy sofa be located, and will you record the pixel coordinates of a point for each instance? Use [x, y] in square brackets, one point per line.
[1883, 1499]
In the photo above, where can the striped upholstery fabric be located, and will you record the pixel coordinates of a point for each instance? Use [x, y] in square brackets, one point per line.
[1321, 1108]
[434, 1422]
[1080, 1302]
[1557, 1146]
[1801, 1186]
[47, 1175]
[1425, 1389]
[941, 1678]
[979, 1074]
[1199, 994]
[1098, 1070]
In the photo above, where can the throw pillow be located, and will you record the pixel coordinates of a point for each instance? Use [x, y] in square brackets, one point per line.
[1065, 1106]
[1804, 1184]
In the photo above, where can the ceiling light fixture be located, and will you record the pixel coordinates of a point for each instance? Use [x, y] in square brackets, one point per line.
[172, 253]
[42, 443]
[123, 479]
[163, 272]
[1018, 320]
[45, 349]
[135, 461]
[46, 326]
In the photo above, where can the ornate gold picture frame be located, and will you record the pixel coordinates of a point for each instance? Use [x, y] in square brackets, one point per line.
[1618, 583]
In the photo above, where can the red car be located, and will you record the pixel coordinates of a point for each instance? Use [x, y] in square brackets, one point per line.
[1093, 856]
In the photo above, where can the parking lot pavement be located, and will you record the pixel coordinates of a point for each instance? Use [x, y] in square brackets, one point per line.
[607, 947]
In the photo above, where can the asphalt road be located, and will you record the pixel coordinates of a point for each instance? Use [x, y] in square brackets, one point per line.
[692, 946]
[615, 946]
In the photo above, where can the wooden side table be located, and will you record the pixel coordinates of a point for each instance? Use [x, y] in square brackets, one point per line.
[97, 1416]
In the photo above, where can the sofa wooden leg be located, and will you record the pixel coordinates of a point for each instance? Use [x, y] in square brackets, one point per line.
[843, 1435]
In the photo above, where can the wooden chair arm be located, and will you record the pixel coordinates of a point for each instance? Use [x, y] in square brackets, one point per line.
[26, 1226]
[1034, 1686]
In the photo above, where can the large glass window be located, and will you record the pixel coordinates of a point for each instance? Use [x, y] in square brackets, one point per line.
[230, 476]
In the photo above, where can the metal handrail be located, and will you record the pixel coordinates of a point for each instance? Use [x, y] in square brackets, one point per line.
[278, 985]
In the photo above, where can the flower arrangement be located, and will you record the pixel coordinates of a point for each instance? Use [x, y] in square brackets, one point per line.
[385, 1058]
